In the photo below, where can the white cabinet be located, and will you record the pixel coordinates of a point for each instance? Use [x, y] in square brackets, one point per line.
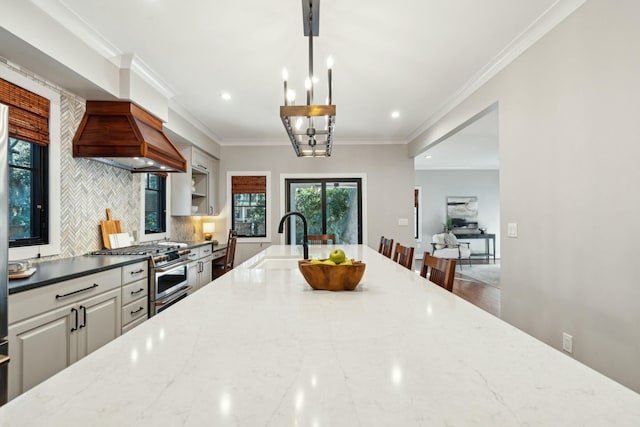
[194, 192]
[200, 267]
[53, 326]
[135, 288]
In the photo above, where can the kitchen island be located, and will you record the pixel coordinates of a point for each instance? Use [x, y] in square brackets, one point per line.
[259, 347]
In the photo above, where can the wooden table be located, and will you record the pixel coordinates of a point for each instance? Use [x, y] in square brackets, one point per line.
[487, 237]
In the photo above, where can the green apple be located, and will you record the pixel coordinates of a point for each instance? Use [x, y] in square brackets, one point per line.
[346, 262]
[337, 256]
[316, 261]
[328, 262]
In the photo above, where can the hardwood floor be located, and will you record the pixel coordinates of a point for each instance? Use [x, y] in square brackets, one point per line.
[480, 294]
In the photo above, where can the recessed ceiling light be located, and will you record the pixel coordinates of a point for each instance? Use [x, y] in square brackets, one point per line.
[395, 114]
[428, 156]
[225, 95]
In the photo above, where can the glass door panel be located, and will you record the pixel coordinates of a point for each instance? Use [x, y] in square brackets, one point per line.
[342, 211]
[331, 206]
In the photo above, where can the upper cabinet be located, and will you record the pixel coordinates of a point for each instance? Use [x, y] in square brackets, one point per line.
[193, 193]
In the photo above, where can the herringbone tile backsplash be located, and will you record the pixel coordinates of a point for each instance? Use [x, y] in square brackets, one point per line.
[89, 187]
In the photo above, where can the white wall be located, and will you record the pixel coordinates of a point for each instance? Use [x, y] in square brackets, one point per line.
[437, 185]
[569, 150]
[389, 174]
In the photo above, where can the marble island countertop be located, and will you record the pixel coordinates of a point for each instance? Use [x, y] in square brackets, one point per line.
[260, 347]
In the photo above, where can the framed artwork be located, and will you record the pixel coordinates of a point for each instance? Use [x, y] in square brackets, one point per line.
[462, 213]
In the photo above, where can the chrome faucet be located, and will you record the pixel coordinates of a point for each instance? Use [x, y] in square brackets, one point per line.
[305, 246]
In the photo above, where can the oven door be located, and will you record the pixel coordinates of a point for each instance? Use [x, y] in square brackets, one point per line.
[161, 305]
[169, 279]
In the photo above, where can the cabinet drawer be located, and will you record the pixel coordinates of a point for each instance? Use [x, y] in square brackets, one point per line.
[219, 253]
[133, 291]
[45, 298]
[205, 250]
[133, 324]
[133, 272]
[134, 311]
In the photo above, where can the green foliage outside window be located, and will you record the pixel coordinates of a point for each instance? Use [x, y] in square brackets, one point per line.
[340, 202]
[21, 189]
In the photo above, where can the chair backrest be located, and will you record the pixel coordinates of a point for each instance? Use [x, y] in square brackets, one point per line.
[386, 247]
[404, 255]
[441, 271]
[321, 239]
[230, 256]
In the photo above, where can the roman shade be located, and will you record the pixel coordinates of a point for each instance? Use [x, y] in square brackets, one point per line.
[249, 184]
[28, 113]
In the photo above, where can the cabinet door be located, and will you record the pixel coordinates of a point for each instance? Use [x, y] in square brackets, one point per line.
[40, 347]
[205, 273]
[193, 274]
[100, 321]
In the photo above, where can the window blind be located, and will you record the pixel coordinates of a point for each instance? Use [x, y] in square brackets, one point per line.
[28, 113]
[249, 184]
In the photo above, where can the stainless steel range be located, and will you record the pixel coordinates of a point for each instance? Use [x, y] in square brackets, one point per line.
[168, 275]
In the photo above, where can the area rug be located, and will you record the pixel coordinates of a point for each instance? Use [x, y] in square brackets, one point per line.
[486, 273]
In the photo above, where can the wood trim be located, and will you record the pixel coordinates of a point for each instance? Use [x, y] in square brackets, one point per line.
[307, 110]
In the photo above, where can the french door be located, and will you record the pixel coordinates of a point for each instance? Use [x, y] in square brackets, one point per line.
[331, 206]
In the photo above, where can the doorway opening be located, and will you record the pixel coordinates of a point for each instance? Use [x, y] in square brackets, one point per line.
[331, 206]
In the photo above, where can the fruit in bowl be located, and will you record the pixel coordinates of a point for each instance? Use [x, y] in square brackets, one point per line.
[326, 274]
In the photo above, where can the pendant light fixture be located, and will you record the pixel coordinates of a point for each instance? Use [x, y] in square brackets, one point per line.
[310, 126]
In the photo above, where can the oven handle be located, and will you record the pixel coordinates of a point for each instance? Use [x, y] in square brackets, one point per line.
[183, 290]
[171, 267]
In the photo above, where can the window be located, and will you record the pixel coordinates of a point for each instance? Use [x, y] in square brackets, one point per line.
[27, 193]
[28, 160]
[155, 202]
[249, 205]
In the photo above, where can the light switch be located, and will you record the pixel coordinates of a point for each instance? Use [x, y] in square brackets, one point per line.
[403, 221]
[512, 229]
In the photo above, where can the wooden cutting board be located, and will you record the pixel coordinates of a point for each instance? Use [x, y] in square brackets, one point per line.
[107, 227]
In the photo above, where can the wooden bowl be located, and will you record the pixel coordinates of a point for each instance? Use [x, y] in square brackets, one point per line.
[332, 277]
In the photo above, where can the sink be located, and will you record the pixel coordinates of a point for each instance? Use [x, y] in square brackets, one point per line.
[277, 264]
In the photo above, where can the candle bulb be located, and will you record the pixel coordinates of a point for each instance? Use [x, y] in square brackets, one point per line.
[307, 85]
[285, 77]
[330, 66]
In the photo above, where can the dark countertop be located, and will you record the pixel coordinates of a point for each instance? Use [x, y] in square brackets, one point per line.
[49, 272]
[59, 270]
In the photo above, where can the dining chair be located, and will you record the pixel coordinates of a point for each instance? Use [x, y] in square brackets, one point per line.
[229, 257]
[404, 255]
[386, 246]
[441, 270]
[321, 239]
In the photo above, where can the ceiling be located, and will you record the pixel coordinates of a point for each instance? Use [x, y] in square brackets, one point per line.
[410, 56]
[475, 146]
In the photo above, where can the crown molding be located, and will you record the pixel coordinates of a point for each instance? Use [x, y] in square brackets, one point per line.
[63, 15]
[549, 19]
[197, 124]
[231, 142]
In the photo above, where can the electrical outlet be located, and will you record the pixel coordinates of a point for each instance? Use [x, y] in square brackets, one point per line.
[567, 342]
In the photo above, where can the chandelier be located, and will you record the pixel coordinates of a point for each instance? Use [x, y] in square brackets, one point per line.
[310, 126]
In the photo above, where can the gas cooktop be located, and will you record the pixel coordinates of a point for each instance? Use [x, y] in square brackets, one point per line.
[147, 249]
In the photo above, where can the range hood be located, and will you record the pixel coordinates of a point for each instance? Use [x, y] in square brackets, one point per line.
[124, 135]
